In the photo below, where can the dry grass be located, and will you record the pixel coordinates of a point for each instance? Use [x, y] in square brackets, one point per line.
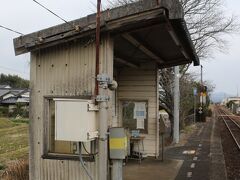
[6, 123]
[17, 170]
[13, 146]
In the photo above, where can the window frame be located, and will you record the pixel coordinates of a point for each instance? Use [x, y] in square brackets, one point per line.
[146, 125]
[47, 127]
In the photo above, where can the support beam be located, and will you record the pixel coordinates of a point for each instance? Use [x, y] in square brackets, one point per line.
[125, 62]
[177, 42]
[174, 62]
[143, 48]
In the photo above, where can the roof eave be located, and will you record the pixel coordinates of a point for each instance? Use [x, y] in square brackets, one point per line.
[87, 25]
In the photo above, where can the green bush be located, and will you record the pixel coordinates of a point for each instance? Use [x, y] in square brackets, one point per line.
[3, 111]
[19, 110]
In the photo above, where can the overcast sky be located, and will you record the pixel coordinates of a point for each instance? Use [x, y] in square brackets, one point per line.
[26, 16]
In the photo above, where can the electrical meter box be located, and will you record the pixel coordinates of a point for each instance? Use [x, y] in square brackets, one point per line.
[117, 143]
[75, 120]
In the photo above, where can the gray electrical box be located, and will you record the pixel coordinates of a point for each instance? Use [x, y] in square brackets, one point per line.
[117, 143]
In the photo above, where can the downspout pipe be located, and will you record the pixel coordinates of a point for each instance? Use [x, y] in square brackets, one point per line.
[97, 47]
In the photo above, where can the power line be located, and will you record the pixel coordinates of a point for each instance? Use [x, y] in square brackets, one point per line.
[55, 14]
[11, 30]
[14, 70]
[17, 32]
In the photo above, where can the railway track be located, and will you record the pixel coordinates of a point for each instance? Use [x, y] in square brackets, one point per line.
[230, 138]
[232, 126]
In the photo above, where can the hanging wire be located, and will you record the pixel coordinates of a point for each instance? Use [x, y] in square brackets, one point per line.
[83, 163]
[75, 27]
[14, 70]
[4, 27]
[85, 149]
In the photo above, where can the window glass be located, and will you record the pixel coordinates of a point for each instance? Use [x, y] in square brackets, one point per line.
[134, 115]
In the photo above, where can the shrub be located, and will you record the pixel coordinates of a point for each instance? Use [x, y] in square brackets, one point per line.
[20, 110]
[3, 111]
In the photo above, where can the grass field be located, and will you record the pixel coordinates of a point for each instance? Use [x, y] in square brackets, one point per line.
[13, 141]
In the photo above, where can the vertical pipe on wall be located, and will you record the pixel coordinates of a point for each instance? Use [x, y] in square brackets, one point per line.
[97, 46]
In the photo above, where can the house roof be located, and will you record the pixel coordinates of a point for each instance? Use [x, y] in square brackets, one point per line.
[15, 92]
[10, 100]
[3, 92]
[145, 30]
[14, 100]
[4, 86]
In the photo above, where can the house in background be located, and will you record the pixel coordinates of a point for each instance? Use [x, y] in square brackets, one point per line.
[136, 40]
[10, 97]
[233, 103]
[2, 86]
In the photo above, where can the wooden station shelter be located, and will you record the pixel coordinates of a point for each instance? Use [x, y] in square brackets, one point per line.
[136, 41]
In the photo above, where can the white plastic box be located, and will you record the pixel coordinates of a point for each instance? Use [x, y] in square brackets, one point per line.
[75, 120]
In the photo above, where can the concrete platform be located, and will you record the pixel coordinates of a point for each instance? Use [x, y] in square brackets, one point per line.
[198, 156]
[152, 169]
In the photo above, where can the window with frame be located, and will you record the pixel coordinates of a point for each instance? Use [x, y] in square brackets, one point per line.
[135, 115]
[55, 149]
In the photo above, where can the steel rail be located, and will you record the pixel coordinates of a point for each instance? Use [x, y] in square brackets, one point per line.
[230, 117]
[229, 129]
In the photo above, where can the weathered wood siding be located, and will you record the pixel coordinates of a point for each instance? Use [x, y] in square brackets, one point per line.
[66, 70]
[141, 84]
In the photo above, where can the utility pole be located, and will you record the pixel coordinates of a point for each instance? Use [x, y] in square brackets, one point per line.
[100, 92]
[201, 95]
[194, 103]
[237, 90]
[176, 105]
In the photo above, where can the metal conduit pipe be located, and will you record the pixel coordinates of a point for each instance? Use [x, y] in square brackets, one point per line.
[97, 47]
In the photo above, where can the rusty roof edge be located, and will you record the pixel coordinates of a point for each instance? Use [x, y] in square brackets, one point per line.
[22, 43]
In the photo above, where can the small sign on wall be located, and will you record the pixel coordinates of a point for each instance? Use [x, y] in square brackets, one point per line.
[135, 115]
[140, 114]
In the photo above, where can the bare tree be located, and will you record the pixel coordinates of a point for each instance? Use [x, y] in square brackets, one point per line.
[114, 3]
[207, 24]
